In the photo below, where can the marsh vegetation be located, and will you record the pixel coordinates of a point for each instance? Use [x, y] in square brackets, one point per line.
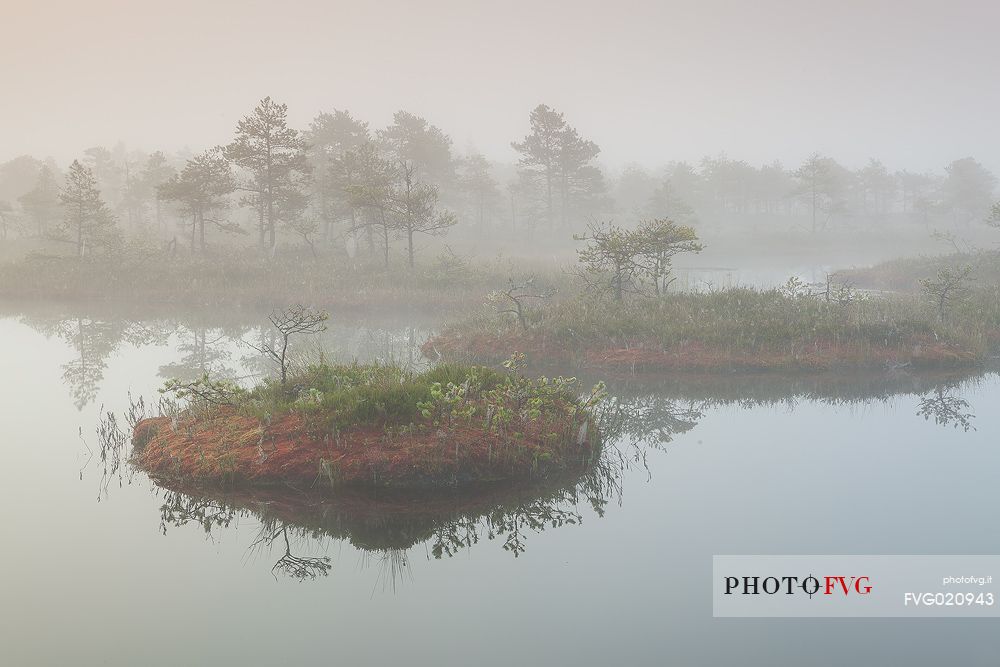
[438, 333]
[375, 425]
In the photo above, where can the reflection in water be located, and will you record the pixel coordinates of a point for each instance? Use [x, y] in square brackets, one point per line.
[296, 567]
[212, 342]
[115, 443]
[202, 351]
[295, 527]
[947, 409]
[387, 525]
[644, 414]
[938, 392]
[93, 342]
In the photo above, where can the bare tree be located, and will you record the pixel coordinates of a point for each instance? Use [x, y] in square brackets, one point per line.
[513, 300]
[299, 567]
[306, 228]
[841, 293]
[297, 319]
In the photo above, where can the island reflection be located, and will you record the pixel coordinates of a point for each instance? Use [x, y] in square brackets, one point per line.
[297, 529]
[387, 525]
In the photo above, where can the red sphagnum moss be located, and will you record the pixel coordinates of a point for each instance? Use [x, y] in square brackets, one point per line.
[224, 446]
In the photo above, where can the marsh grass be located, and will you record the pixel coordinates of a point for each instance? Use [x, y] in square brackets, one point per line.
[248, 280]
[771, 326]
[904, 274]
[334, 397]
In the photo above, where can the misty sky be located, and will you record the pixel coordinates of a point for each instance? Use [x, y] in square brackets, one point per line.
[911, 81]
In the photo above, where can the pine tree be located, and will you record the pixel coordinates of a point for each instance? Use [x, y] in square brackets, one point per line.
[202, 188]
[275, 157]
[563, 159]
[334, 141]
[87, 220]
[41, 203]
[415, 208]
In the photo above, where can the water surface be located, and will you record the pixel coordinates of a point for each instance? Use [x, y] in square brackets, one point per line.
[113, 570]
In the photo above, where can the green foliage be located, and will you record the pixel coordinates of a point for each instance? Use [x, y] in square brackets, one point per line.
[948, 289]
[618, 261]
[338, 396]
[205, 392]
[906, 273]
[333, 398]
[557, 156]
[88, 221]
[503, 400]
[794, 287]
[201, 189]
[658, 241]
[274, 156]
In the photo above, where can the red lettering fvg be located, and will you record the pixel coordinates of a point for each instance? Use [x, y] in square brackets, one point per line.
[846, 585]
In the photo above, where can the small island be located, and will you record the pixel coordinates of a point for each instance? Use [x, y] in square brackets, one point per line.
[376, 426]
[622, 317]
[736, 329]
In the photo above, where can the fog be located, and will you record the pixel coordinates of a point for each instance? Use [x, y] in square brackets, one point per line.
[909, 82]
[453, 332]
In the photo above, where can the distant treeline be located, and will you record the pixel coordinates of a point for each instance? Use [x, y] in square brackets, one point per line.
[342, 184]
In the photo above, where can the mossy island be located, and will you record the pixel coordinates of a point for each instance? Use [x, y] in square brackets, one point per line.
[373, 426]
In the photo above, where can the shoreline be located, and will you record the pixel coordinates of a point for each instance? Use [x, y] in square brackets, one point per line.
[694, 357]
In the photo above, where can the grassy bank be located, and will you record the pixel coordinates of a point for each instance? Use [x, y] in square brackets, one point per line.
[373, 426]
[249, 281]
[733, 329]
[905, 274]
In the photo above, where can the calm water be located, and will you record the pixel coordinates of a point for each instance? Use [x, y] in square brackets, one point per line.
[115, 571]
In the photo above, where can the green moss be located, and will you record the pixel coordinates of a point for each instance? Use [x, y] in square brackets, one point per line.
[331, 398]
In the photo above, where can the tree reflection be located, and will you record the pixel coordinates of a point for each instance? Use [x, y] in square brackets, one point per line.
[94, 341]
[206, 340]
[296, 567]
[179, 509]
[202, 350]
[947, 409]
[386, 525]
